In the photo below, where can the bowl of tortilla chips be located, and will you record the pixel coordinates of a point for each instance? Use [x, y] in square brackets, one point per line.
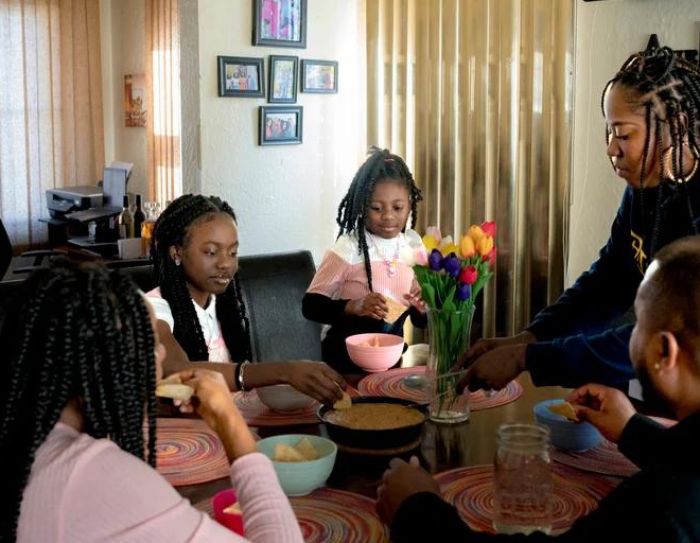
[374, 352]
[565, 430]
[303, 462]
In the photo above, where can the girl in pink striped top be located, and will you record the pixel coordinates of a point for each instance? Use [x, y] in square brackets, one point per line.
[368, 262]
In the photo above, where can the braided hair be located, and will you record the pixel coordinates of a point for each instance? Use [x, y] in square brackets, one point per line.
[73, 332]
[668, 88]
[353, 208]
[172, 229]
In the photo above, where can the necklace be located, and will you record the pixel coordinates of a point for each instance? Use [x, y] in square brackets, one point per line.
[391, 265]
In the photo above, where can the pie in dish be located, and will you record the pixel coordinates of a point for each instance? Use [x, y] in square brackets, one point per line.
[375, 416]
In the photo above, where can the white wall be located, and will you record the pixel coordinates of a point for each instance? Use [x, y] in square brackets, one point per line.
[285, 196]
[606, 34]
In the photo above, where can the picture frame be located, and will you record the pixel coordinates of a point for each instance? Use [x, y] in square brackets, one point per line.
[241, 77]
[281, 125]
[282, 87]
[319, 76]
[280, 23]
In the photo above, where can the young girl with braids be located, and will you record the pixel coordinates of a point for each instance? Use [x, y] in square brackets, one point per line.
[201, 315]
[365, 266]
[80, 360]
[652, 113]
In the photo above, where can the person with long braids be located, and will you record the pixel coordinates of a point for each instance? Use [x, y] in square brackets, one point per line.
[81, 358]
[201, 315]
[652, 113]
[366, 266]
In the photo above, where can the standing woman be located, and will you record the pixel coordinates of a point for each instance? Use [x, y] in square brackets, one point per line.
[80, 360]
[652, 114]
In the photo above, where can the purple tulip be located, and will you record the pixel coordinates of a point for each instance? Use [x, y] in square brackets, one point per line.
[463, 292]
[435, 260]
[452, 265]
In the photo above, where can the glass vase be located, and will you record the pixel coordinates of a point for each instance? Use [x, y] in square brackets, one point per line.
[449, 332]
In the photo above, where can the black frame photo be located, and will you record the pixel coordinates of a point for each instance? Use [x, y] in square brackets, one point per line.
[281, 125]
[279, 23]
[282, 88]
[319, 76]
[241, 77]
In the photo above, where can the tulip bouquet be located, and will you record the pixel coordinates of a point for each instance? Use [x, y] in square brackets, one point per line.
[451, 276]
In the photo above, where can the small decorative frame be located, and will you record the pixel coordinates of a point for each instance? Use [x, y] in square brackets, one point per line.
[279, 23]
[241, 76]
[319, 76]
[281, 125]
[282, 88]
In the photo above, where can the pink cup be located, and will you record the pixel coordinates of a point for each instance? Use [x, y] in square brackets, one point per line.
[221, 501]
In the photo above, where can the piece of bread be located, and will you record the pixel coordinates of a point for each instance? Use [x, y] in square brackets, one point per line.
[306, 448]
[344, 403]
[174, 391]
[565, 409]
[396, 309]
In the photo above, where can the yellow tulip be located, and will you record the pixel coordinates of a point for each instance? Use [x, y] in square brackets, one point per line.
[430, 242]
[449, 248]
[476, 233]
[484, 245]
[466, 247]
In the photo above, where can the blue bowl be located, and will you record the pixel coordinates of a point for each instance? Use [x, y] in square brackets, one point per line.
[301, 478]
[566, 434]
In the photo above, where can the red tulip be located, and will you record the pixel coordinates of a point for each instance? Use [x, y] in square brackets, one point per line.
[489, 228]
[491, 257]
[468, 275]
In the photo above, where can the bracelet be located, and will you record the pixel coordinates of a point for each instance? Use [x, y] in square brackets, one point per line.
[239, 375]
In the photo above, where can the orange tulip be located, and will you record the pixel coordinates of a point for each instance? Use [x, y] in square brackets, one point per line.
[476, 233]
[466, 247]
[484, 245]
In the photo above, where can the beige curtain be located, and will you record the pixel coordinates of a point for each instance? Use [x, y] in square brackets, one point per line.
[51, 132]
[163, 81]
[476, 94]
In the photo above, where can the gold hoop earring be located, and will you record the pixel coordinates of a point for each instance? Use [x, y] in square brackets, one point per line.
[667, 165]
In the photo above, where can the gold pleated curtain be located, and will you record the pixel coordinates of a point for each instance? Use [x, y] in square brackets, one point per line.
[476, 95]
[163, 124]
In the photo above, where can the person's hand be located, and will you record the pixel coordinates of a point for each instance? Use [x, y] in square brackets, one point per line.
[608, 409]
[373, 305]
[316, 379]
[416, 301]
[400, 482]
[483, 346]
[495, 369]
[213, 402]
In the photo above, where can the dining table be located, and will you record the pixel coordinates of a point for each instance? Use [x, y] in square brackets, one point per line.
[460, 455]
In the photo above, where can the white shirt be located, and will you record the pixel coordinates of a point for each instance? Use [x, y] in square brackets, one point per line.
[211, 328]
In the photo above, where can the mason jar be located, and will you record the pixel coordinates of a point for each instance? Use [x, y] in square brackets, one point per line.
[522, 480]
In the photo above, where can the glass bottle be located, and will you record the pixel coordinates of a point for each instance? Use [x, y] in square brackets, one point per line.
[522, 480]
[126, 221]
[139, 217]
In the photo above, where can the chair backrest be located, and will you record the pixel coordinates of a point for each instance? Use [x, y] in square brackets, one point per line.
[273, 286]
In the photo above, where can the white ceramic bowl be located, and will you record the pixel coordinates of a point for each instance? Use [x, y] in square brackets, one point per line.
[283, 398]
[301, 478]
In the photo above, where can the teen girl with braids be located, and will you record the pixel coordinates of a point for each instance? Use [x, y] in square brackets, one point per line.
[201, 316]
[80, 360]
[365, 266]
[652, 114]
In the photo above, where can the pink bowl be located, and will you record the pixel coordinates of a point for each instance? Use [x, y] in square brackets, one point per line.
[371, 358]
[221, 501]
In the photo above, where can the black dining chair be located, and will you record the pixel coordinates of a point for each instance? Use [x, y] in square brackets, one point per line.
[5, 250]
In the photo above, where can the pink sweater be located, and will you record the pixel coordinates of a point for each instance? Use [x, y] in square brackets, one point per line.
[86, 489]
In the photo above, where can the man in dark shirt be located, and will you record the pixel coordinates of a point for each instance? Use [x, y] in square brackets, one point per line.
[662, 501]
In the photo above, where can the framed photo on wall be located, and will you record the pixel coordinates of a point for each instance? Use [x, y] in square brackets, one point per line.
[280, 125]
[241, 76]
[319, 76]
[282, 88]
[279, 23]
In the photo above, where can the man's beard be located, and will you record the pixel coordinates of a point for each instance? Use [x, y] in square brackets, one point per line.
[653, 401]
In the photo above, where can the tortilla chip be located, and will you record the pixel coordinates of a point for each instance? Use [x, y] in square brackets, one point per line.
[396, 309]
[344, 403]
[565, 409]
[374, 342]
[234, 509]
[173, 379]
[307, 450]
[287, 453]
[176, 392]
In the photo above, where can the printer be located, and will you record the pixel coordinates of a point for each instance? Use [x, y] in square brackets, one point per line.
[65, 200]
